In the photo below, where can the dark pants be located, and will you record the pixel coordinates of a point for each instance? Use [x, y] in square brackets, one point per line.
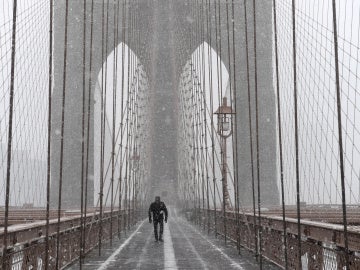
[156, 222]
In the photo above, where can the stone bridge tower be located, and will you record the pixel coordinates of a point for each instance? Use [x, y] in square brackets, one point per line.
[166, 29]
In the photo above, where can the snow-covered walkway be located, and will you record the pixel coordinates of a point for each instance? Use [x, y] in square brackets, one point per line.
[184, 247]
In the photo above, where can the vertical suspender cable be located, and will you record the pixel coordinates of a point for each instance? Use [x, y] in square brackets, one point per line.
[212, 118]
[113, 127]
[105, 100]
[193, 115]
[134, 112]
[122, 112]
[83, 138]
[250, 128]
[62, 132]
[202, 107]
[280, 133]
[235, 141]
[116, 81]
[136, 93]
[296, 136]
[127, 130]
[132, 93]
[198, 108]
[193, 132]
[222, 139]
[126, 214]
[126, 176]
[48, 179]
[130, 69]
[9, 148]
[133, 121]
[202, 110]
[103, 116]
[141, 97]
[231, 105]
[139, 113]
[113, 121]
[140, 123]
[257, 138]
[196, 115]
[193, 57]
[205, 116]
[88, 120]
[130, 108]
[102, 130]
[217, 75]
[341, 150]
[192, 107]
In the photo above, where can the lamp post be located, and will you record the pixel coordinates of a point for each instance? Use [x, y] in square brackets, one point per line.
[135, 163]
[224, 129]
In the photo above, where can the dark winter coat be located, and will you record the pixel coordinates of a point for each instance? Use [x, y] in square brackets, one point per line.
[158, 209]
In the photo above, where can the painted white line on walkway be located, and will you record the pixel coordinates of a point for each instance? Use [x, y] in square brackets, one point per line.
[143, 252]
[169, 254]
[105, 264]
[233, 263]
[193, 248]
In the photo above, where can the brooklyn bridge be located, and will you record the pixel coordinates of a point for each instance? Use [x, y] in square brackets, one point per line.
[243, 116]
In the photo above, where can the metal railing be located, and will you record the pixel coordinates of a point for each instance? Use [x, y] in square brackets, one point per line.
[26, 248]
[323, 245]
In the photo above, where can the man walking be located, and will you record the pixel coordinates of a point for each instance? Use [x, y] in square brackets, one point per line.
[158, 209]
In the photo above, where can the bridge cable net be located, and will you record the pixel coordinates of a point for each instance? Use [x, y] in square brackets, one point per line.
[315, 81]
[34, 216]
[328, 182]
[207, 182]
[29, 111]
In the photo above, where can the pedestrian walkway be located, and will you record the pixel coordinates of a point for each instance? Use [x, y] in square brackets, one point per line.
[184, 247]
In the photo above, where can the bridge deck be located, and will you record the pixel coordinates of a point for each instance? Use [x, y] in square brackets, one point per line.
[184, 247]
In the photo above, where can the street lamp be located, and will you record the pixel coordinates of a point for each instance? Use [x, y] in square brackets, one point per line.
[135, 161]
[135, 164]
[224, 129]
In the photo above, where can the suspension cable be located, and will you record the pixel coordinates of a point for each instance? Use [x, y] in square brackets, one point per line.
[102, 128]
[48, 179]
[88, 119]
[223, 147]
[198, 115]
[205, 115]
[250, 127]
[340, 140]
[83, 139]
[10, 130]
[122, 105]
[236, 174]
[257, 137]
[205, 119]
[231, 106]
[296, 136]
[115, 6]
[62, 132]
[130, 118]
[192, 106]
[127, 129]
[280, 134]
